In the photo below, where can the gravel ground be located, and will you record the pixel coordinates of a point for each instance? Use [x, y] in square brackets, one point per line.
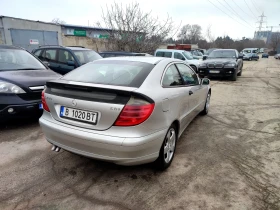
[229, 159]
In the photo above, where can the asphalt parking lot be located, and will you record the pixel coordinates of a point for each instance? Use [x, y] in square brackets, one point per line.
[229, 159]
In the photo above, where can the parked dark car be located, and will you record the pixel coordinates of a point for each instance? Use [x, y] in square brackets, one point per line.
[64, 59]
[265, 55]
[22, 79]
[107, 54]
[251, 56]
[222, 63]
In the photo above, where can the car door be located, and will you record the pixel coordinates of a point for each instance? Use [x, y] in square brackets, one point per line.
[63, 57]
[196, 95]
[175, 101]
[50, 56]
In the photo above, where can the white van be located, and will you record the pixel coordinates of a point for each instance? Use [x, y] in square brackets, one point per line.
[179, 54]
[250, 50]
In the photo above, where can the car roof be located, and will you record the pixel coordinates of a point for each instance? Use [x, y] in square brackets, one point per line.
[62, 47]
[144, 59]
[224, 49]
[119, 52]
[171, 50]
[3, 46]
[77, 48]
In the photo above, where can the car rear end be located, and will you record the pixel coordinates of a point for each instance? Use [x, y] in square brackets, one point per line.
[101, 114]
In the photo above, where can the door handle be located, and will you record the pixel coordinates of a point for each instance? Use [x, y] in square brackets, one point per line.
[190, 92]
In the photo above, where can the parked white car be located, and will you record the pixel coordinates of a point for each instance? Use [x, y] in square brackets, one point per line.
[277, 56]
[179, 54]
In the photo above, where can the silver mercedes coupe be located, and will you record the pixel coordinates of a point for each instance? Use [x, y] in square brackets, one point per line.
[125, 110]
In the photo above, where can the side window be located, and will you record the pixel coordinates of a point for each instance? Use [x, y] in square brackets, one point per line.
[64, 56]
[164, 54]
[171, 77]
[179, 56]
[49, 55]
[189, 77]
[81, 57]
[37, 53]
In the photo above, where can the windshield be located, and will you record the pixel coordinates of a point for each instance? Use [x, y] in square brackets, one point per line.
[85, 56]
[17, 59]
[222, 54]
[188, 55]
[110, 72]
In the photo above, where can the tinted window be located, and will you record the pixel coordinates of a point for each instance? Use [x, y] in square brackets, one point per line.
[37, 53]
[49, 55]
[172, 77]
[14, 59]
[189, 77]
[64, 56]
[179, 56]
[164, 54]
[85, 56]
[222, 54]
[110, 72]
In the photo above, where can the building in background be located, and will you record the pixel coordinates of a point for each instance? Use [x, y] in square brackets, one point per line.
[31, 34]
[27, 33]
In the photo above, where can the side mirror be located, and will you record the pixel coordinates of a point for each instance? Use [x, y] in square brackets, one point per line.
[204, 57]
[70, 63]
[205, 81]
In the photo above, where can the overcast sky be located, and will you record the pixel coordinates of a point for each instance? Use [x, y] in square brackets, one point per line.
[236, 18]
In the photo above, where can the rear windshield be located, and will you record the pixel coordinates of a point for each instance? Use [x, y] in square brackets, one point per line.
[110, 72]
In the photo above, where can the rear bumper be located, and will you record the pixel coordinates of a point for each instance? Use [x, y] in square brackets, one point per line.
[119, 150]
[228, 72]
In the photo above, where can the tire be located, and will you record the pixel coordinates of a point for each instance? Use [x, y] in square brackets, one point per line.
[194, 68]
[167, 150]
[234, 77]
[207, 104]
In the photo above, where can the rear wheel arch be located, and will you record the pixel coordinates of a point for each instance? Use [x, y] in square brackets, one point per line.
[176, 123]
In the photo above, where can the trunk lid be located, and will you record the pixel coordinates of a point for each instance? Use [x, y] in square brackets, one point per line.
[104, 101]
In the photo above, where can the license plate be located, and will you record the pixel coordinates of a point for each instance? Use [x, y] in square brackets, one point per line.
[78, 115]
[213, 71]
[40, 106]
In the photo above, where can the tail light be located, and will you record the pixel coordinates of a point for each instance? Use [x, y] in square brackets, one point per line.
[45, 105]
[135, 112]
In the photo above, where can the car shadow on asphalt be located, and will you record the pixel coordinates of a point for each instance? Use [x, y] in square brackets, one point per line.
[19, 124]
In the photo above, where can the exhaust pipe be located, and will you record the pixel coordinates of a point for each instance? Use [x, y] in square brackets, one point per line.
[55, 148]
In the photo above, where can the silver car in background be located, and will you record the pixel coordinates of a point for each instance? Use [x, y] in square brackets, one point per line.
[126, 110]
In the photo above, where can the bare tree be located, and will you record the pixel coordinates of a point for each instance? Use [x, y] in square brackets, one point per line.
[275, 40]
[183, 34]
[210, 36]
[131, 29]
[190, 33]
[195, 33]
[58, 21]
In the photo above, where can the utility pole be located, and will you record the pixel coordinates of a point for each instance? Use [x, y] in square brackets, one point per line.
[273, 27]
[261, 21]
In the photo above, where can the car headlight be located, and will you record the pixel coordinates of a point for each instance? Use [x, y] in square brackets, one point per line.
[202, 65]
[230, 65]
[6, 87]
